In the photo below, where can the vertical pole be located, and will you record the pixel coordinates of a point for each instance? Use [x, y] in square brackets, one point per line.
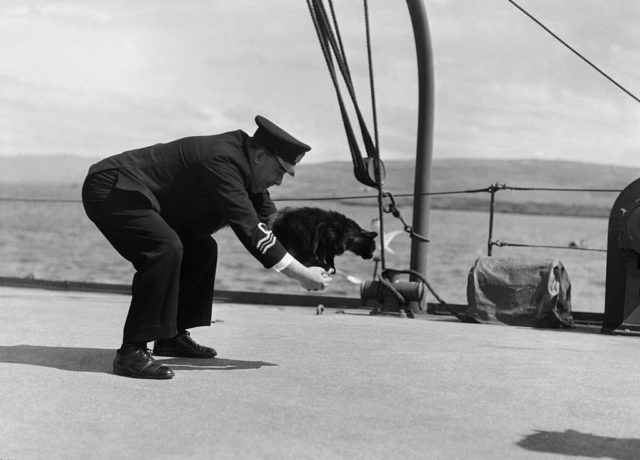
[424, 146]
[491, 212]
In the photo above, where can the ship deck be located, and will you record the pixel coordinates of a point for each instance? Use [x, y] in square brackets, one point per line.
[291, 384]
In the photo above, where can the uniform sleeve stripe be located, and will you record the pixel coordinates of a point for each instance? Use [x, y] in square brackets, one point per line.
[263, 244]
[266, 248]
[264, 239]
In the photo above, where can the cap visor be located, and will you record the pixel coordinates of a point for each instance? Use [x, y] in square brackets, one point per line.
[287, 166]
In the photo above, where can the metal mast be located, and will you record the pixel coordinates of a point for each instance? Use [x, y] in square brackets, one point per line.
[424, 147]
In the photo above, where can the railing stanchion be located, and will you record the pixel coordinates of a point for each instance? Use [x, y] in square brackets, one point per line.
[493, 189]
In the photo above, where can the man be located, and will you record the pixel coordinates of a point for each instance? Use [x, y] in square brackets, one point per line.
[158, 207]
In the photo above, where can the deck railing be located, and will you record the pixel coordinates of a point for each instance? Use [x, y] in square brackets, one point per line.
[283, 299]
[492, 190]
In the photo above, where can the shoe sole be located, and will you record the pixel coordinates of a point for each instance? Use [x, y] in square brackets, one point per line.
[134, 375]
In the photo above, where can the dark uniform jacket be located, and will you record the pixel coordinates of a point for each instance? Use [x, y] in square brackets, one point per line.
[200, 184]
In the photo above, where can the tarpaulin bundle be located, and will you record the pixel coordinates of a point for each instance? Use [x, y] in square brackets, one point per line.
[370, 170]
[519, 292]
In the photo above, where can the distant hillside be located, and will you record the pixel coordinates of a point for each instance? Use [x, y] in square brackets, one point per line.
[61, 176]
[336, 179]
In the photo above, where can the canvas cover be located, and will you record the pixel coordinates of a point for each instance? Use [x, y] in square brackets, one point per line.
[519, 292]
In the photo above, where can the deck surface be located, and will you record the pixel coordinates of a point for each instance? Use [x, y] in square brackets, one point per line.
[289, 384]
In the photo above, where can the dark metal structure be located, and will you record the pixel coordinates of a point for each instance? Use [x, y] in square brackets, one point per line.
[622, 295]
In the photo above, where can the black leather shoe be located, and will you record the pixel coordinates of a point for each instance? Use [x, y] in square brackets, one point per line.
[141, 365]
[182, 346]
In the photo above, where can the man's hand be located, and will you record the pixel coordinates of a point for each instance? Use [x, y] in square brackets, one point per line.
[310, 278]
[319, 281]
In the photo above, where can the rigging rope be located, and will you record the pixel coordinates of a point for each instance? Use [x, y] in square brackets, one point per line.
[331, 44]
[374, 111]
[370, 172]
[377, 165]
[574, 51]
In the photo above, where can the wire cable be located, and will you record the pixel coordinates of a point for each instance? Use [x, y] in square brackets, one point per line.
[360, 197]
[574, 51]
[542, 246]
[559, 189]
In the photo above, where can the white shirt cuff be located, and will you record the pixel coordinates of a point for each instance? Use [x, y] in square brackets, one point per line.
[284, 263]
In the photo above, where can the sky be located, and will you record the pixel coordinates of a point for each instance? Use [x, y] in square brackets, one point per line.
[95, 78]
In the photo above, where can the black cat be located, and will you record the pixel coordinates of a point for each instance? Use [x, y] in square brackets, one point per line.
[315, 236]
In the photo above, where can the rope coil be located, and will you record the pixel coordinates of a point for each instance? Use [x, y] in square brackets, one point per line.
[387, 274]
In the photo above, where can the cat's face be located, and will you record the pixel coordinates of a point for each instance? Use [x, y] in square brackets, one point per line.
[363, 243]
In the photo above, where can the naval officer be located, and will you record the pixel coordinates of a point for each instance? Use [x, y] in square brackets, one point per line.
[158, 206]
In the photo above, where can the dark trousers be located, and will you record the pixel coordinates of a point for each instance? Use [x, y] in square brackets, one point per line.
[173, 285]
